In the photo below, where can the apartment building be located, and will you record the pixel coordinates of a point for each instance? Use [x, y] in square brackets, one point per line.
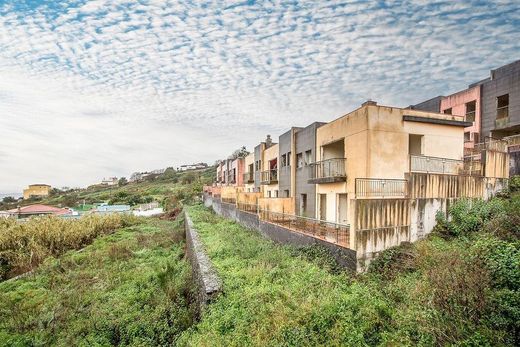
[295, 170]
[376, 146]
[249, 173]
[269, 172]
[259, 161]
[467, 105]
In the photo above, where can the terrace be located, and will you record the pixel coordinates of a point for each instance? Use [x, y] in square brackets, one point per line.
[328, 171]
[269, 177]
[381, 188]
[421, 163]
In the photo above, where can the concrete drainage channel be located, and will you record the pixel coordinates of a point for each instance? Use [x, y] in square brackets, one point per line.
[204, 275]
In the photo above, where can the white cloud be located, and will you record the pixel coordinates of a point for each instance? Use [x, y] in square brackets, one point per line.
[108, 87]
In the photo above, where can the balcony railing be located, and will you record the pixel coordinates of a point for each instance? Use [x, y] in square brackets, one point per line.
[381, 188]
[502, 119]
[249, 177]
[231, 179]
[328, 171]
[419, 163]
[331, 232]
[492, 145]
[269, 176]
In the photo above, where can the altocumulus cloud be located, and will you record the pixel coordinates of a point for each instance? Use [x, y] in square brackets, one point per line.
[94, 88]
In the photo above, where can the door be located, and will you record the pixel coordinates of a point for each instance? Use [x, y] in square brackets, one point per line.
[342, 209]
[323, 206]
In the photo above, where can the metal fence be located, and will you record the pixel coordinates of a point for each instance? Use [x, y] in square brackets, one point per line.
[331, 232]
[381, 187]
[329, 168]
[420, 163]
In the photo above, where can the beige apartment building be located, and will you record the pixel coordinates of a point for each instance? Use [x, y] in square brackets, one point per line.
[386, 171]
[249, 173]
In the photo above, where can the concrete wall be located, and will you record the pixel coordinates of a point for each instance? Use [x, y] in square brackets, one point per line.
[431, 105]
[504, 80]
[204, 275]
[344, 256]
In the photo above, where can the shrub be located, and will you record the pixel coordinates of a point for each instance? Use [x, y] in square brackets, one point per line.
[24, 246]
[394, 261]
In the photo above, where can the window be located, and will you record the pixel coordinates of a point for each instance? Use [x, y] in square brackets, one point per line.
[286, 193]
[299, 160]
[289, 158]
[268, 193]
[308, 157]
[503, 106]
[284, 160]
[447, 111]
[470, 111]
[415, 144]
[275, 193]
[467, 137]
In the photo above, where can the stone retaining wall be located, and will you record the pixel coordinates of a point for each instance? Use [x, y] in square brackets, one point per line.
[204, 274]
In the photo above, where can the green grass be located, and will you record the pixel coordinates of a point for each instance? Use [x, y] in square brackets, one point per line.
[438, 292]
[129, 288]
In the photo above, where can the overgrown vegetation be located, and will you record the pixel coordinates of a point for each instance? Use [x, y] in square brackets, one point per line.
[461, 286]
[128, 288]
[24, 246]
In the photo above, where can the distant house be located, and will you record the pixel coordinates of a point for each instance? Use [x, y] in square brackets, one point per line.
[196, 166]
[36, 190]
[110, 181]
[38, 210]
[112, 209]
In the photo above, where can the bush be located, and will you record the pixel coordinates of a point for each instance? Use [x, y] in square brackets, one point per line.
[394, 261]
[23, 246]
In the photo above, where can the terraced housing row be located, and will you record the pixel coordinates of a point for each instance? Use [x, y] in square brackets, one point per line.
[366, 181]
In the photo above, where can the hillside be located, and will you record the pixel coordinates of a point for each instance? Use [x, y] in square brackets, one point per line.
[167, 188]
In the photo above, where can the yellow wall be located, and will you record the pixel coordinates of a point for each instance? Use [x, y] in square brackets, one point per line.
[270, 154]
[376, 146]
[36, 190]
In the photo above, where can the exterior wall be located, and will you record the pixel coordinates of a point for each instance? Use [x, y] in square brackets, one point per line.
[305, 140]
[457, 103]
[504, 80]
[259, 155]
[284, 172]
[249, 160]
[270, 154]
[36, 190]
[280, 205]
[237, 166]
[376, 146]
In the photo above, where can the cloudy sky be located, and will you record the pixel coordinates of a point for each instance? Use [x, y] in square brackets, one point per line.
[97, 88]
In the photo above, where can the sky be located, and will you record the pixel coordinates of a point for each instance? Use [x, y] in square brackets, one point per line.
[91, 89]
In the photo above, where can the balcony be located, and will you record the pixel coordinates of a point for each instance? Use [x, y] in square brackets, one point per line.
[420, 163]
[470, 116]
[231, 179]
[249, 177]
[269, 176]
[381, 188]
[328, 171]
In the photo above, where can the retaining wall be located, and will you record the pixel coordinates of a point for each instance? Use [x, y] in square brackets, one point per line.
[204, 274]
[344, 256]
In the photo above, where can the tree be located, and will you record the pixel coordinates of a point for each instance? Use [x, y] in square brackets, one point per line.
[239, 153]
[122, 182]
[9, 199]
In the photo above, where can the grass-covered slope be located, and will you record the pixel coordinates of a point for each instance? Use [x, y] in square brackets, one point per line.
[459, 287]
[128, 288]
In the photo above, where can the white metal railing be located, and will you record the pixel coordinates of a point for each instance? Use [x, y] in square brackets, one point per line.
[420, 163]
